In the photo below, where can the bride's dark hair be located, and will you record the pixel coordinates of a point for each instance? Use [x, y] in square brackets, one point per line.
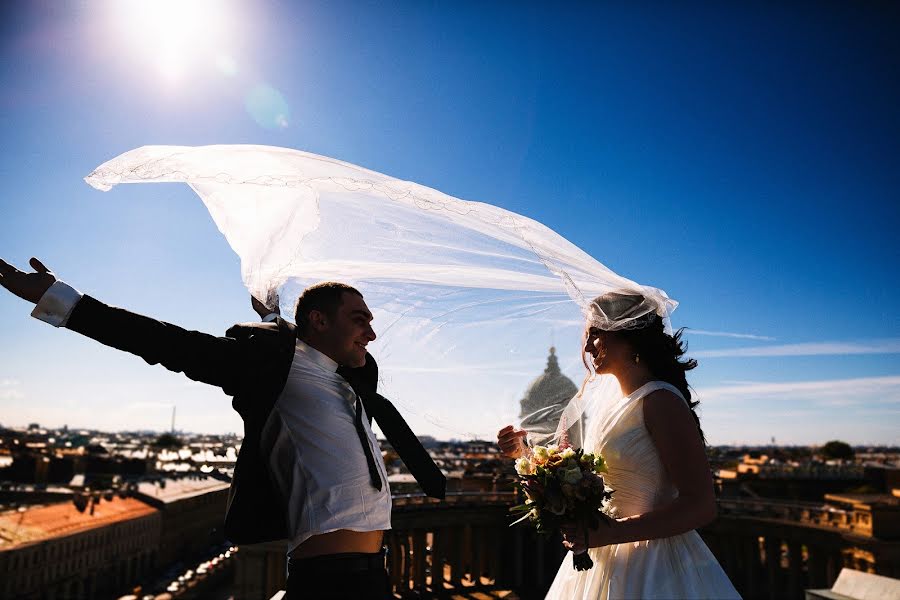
[662, 354]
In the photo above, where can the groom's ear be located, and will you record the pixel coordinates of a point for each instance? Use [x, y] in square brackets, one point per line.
[318, 320]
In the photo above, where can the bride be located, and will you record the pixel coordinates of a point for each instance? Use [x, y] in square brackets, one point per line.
[651, 439]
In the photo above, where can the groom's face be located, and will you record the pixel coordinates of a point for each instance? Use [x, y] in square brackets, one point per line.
[350, 331]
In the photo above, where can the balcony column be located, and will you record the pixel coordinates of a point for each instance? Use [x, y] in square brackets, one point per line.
[439, 552]
[773, 565]
[518, 554]
[733, 558]
[457, 568]
[753, 564]
[834, 564]
[815, 567]
[398, 560]
[795, 569]
[494, 558]
[481, 539]
[418, 558]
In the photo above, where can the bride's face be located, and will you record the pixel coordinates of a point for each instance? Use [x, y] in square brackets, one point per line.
[595, 347]
[604, 348]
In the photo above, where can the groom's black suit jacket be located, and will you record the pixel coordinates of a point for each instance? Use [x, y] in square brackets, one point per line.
[251, 364]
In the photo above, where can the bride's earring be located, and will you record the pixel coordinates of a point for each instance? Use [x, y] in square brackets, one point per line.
[637, 359]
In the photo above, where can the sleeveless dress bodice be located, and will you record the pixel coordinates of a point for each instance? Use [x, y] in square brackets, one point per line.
[635, 470]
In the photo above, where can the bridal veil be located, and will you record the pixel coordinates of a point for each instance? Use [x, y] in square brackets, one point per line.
[467, 296]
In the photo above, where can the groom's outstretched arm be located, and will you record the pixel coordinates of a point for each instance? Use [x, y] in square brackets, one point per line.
[223, 362]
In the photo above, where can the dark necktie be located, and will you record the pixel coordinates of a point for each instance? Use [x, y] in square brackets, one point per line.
[374, 475]
[404, 441]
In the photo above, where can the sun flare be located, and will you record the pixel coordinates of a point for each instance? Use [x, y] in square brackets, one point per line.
[174, 36]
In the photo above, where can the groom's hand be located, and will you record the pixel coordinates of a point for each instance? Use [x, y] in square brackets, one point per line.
[27, 286]
[269, 307]
[512, 441]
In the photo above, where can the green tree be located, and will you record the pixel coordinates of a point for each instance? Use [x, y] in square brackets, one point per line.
[837, 449]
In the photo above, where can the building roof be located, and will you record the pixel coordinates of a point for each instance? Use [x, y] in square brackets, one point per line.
[176, 489]
[39, 523]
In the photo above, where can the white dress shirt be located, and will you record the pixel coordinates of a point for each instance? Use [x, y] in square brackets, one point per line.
[315, 454]
[310, 437]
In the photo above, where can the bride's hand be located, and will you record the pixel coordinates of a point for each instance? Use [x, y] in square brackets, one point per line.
[574, 540]
[512, 441]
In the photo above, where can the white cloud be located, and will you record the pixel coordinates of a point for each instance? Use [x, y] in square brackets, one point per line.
[9, 389]
[831, 392]
[885, 346]
[729, 334]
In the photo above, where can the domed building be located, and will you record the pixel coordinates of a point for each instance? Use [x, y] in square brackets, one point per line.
[546, 397]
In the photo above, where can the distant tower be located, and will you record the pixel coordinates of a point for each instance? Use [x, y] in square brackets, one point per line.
[546, 397]
[173, 419]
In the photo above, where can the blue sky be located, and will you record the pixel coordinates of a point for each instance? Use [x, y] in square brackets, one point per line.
[741, 158]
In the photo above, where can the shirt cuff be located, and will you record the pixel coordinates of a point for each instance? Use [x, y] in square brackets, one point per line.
[56, 304]
[269, 318]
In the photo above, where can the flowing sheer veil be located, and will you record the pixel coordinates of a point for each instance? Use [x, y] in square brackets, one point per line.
[467, 296]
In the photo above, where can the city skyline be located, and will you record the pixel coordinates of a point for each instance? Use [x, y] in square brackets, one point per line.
[738, 162]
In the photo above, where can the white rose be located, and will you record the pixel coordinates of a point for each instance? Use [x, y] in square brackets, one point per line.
[540, 454]
[524, 467]
[568, 452]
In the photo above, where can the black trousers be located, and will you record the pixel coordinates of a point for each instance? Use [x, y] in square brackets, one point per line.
[351, 576]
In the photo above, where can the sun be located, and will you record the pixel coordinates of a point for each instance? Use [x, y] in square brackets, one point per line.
[173, 37]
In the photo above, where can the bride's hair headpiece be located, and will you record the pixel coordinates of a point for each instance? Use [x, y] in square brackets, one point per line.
[628, 309]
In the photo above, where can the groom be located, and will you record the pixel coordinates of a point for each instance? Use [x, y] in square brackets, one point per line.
[309, 468]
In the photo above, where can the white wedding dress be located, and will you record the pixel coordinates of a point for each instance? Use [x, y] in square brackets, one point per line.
[680, 566]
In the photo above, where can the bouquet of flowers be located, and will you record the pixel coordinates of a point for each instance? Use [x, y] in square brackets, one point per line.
[563, 484]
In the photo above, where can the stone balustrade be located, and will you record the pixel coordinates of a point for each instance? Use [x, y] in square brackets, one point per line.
[464, 544]
[467, 544]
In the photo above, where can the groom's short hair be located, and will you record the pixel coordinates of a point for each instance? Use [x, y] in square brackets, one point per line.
[326, 297]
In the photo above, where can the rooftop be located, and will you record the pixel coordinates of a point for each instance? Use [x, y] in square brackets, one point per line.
[27, 525]
[180, 489]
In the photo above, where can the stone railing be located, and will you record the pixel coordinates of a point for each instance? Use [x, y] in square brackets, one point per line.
[809, 514]
[450, 548]
[464, 545]
[776, 549]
